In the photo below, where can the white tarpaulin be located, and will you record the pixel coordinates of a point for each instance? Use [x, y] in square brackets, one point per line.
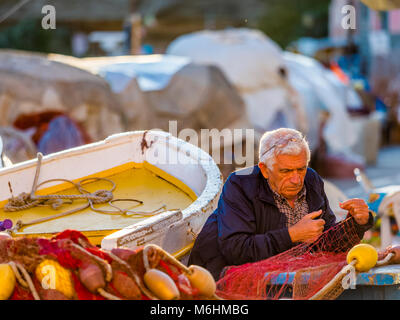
[249, 58]
[152, 73]
[254, 65]
[315, 84]
[310, 102]
[275, 101]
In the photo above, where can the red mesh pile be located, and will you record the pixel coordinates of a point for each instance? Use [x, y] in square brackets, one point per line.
[298, 273]
[70, 249]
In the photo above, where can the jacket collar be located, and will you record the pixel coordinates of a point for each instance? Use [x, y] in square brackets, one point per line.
[264, 190]
[314, 198]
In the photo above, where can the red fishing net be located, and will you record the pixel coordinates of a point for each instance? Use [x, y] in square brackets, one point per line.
[86, 272]
[298, 273]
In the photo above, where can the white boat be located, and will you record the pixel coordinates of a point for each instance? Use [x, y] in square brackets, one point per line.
[177, 183]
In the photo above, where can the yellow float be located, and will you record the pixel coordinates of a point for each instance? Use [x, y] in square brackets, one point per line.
[161, 284]
[52, 275]
[202, 279]
[365, 255]
[7, 281]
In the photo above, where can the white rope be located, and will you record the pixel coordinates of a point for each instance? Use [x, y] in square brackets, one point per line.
[27, 278]
[386, 260]
[107, 295]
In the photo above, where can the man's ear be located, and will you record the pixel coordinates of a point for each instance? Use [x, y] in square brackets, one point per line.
[263, 169]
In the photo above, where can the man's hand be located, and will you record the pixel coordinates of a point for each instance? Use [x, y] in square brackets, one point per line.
[307, 229]
[395, 259]
[358, 209]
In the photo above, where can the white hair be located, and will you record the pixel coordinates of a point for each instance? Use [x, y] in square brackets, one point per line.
[293, 143]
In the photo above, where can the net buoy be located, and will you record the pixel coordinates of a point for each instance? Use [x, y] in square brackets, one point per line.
[161, 284]
[202, 280]
[365, 255]
[52, 275]
[7, 281]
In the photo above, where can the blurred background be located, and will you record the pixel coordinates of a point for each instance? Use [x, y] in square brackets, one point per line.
[80, 71]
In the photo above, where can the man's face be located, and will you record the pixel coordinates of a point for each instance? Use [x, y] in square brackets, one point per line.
[287, 174]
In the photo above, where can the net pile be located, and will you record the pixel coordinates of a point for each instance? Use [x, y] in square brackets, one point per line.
[298, 273]
[74, 269]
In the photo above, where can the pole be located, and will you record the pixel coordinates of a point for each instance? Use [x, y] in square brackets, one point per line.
[136, 33]
[364, 18]
[135, 21]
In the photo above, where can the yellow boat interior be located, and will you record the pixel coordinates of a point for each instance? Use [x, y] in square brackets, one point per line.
[142, 188]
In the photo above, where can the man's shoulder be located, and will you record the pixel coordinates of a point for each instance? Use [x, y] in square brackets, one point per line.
[245, 174]
[245, 179]
[313, 178]
[311, 174]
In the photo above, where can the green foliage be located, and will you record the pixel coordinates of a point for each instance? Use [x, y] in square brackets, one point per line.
[29, 35]
[287, 20]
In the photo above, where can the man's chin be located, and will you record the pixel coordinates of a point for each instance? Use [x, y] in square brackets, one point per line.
[291, 193]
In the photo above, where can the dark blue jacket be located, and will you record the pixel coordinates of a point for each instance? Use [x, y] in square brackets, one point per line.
[247, 225]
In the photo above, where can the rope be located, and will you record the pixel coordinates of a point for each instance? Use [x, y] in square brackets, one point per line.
[28, 282]
[107, 295]
[26, 201]
[334, 287]
[386, 260]
[21, 280]
[192, 233]
[165, 255]
[330, 286]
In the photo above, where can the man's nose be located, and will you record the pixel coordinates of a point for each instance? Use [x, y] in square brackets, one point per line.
[295, 178]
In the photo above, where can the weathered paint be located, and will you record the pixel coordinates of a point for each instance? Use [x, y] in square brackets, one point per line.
[381, 283]
[378, 283]
[386, 275]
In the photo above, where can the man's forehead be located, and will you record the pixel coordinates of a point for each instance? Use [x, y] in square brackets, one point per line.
[285, 161]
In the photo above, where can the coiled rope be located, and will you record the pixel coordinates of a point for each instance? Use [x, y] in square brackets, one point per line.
[26, 201]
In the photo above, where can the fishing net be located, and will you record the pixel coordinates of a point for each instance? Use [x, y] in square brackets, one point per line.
[298, 273]
[72, 261]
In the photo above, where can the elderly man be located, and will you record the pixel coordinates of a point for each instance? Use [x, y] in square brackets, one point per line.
[267, 209]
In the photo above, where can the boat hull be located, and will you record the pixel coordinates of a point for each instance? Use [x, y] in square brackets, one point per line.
[181, 164]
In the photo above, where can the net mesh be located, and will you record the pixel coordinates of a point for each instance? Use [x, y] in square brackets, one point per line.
[298, 273]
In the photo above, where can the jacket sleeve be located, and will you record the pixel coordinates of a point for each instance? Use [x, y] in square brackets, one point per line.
[237, 238]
